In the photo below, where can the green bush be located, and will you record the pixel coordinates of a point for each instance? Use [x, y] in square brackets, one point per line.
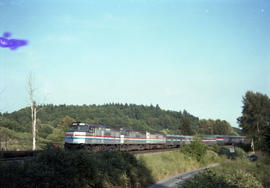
[196, 149]
[210, 157]
[213, 179]
[236, 173]
[261, 170]
[215, 147]
[239, 153]
[245, 146]
[55, 167]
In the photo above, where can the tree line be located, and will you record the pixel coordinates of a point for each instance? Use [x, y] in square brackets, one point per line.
[54, 120]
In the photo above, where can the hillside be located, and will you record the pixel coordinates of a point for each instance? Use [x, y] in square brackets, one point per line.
[53, 120]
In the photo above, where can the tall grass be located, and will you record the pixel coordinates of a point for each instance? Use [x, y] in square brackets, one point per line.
[191, 156]
[167, 164]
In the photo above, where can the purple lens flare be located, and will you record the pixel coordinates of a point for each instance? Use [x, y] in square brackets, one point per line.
[3, 42]
[7, 34]
[12, 44]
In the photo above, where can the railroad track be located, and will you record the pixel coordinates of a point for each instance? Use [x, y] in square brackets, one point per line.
[15, 159]
[20, 156]
[17, 156]
[141, 152]
[13, 154]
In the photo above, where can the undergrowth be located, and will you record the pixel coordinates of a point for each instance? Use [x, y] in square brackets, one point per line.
[234, 174]
[59, 168]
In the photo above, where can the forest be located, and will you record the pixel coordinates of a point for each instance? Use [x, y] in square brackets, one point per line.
[54, 120]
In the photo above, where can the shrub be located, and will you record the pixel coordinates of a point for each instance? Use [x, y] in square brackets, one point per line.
[215, 147]
[55, 167]
[196, 149]
[210, 157]
[232, 179]
[239, 153]
[237, 173]
[261, 170]
[245, 146]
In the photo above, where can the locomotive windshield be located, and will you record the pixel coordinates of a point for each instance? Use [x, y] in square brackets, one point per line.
[78, 128]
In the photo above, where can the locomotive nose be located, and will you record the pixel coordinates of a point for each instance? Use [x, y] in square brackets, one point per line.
[69, 137]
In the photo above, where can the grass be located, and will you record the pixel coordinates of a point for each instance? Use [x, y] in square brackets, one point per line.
[167, 164]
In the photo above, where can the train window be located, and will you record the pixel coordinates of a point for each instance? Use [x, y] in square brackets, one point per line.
[91, 130]
[73, 128]
[107, 132]
[83, 128]
[79, 128]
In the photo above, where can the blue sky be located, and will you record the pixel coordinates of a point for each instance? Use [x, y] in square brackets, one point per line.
[198, 55]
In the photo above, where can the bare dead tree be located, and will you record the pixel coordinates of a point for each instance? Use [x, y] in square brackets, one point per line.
[34, 111]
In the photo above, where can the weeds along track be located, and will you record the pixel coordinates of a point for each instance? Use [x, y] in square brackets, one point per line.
[18, 156]
[156, 151]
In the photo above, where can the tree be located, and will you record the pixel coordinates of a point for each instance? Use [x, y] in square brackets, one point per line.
[222, 127]
[65, 123]
[206, 126]
[58, 135]
[267, 139]
[34, 110]
[255, 117]
[45, 130]
[186, 127]
[215, 127]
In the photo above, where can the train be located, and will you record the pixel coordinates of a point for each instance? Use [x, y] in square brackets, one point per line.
[96, 137]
